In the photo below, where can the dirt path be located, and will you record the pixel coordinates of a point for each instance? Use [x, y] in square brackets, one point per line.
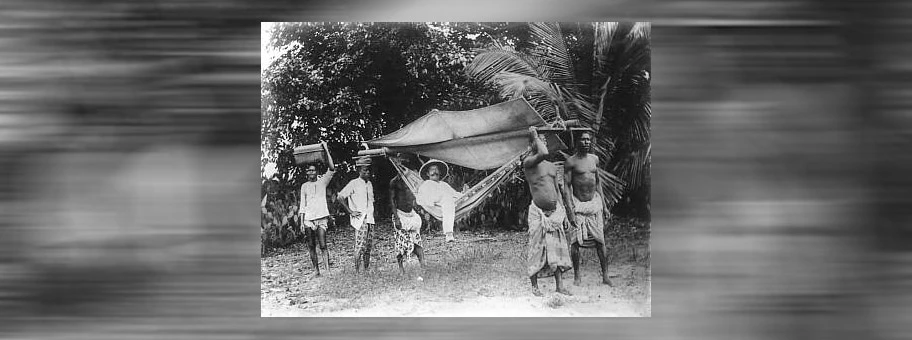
[481, 275]
[475, 307]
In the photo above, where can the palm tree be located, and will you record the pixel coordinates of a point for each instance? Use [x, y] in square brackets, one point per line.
[615, 105]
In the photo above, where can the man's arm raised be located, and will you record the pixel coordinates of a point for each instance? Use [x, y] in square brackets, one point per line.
[329, 158]
[539, 149]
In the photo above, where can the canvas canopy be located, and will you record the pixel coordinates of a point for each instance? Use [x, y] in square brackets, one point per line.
[492, 137]
[481, 139]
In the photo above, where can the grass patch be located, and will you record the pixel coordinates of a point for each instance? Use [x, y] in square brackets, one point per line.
[555, 301]
[479, 264]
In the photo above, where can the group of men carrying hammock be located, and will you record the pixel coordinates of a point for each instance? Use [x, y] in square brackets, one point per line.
[357, 198]
[561, 220]
[566, 212]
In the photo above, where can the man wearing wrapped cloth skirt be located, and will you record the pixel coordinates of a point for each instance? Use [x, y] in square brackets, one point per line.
[548, 252]
[406, 221]
[588, 212]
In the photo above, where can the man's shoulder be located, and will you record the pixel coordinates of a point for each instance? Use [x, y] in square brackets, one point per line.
[528, 164]
[571, 161]
[538, 168]
[575, 161]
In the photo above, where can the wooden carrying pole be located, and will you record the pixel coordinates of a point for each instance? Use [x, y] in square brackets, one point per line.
[373, 152]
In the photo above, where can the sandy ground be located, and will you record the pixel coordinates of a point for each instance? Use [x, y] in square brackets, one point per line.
[479, 276]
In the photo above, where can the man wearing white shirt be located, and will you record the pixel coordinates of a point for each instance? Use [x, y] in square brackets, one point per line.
[313, 212]
[357, 197]
[437, 197]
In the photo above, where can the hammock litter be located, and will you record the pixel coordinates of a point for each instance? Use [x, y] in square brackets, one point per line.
[493, 137]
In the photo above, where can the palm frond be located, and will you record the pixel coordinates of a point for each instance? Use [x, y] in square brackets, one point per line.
[625, 108]
[626, 48]
[612, 187]
[604, 35]
[541, 94]
[636, 99]
[513, 85]
[595, 120]
[566, 110]
[547, 108]
[603, 146]
[640, 128]
[637, 57]
[489, 62]
[621, 50]
[635, 167]
[585, 110]
[610, 52]
[640, 31]
[552, 51]
[573, 103]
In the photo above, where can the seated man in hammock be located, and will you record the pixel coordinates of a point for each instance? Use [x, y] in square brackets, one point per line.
[548, 252]
[588, 212]
[406, 221]
[437, 197]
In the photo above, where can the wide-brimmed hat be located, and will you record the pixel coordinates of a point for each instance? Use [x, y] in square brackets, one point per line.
[364, 161]
[442, 167]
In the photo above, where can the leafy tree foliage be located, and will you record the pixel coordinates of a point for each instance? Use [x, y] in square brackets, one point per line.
[349, 82]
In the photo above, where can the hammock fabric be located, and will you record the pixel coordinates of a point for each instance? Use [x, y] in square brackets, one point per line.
[469, 199]
[481, 139]
[492, 137]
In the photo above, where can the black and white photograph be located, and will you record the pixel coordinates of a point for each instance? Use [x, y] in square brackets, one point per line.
[455, 169]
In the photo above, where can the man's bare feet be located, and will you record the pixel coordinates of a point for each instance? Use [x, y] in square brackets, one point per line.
[608, 282]
[537, 292]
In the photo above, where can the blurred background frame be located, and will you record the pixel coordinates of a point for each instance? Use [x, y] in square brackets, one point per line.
[779, 200]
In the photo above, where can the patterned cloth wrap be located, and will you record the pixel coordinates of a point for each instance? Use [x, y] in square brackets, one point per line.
[590, 222]
[548, 251]
[364, 238]
[409, 235]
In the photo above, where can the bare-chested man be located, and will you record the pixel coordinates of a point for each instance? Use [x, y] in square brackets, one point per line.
[406, 220]
[548, 250]
[588, 222]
